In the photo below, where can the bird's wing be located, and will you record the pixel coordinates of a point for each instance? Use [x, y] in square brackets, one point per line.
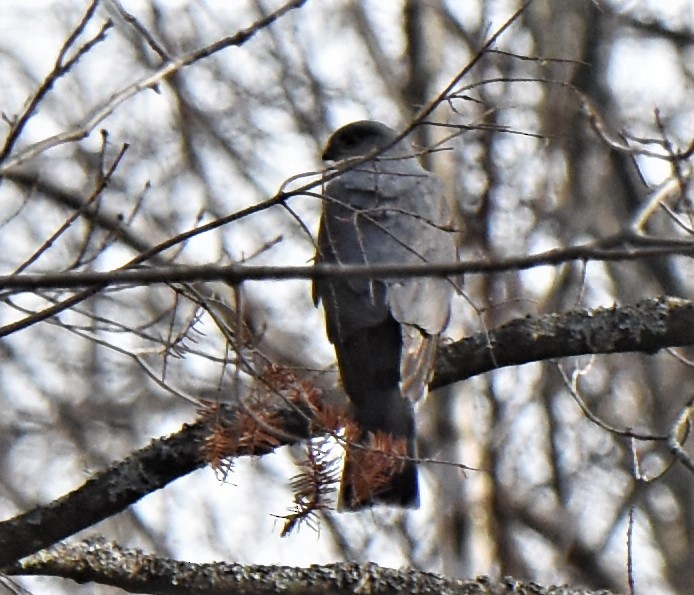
[395, 216]
[417, 362]
[424, 228]
[345, 237]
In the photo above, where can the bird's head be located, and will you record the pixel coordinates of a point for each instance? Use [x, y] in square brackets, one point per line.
[357, 139]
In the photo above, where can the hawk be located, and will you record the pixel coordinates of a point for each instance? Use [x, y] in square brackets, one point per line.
[385, 210]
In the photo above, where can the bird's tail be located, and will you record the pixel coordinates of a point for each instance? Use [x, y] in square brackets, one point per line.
[378, 465]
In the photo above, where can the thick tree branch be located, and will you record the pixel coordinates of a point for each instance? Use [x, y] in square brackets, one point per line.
[136, 572]
[647, 326]
[106, 494]
[113, 490]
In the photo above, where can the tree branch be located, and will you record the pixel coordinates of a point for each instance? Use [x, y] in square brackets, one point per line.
[136, 572]
[111, 491]
[238, 273]
[647, 326]
[83, 129]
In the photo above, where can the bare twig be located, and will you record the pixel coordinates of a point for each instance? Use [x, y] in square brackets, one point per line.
[60, 68]
[101, 186]
[237, 273]
[83, 129]
[571, 384]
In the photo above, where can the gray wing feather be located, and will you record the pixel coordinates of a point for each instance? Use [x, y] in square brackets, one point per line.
[401, 216]
[417, 362]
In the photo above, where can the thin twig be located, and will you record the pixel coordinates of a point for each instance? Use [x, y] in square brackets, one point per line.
[83, 129]
[60, 68]
[236, 273]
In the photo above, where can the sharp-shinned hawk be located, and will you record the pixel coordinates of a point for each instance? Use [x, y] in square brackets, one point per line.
[386, 210]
